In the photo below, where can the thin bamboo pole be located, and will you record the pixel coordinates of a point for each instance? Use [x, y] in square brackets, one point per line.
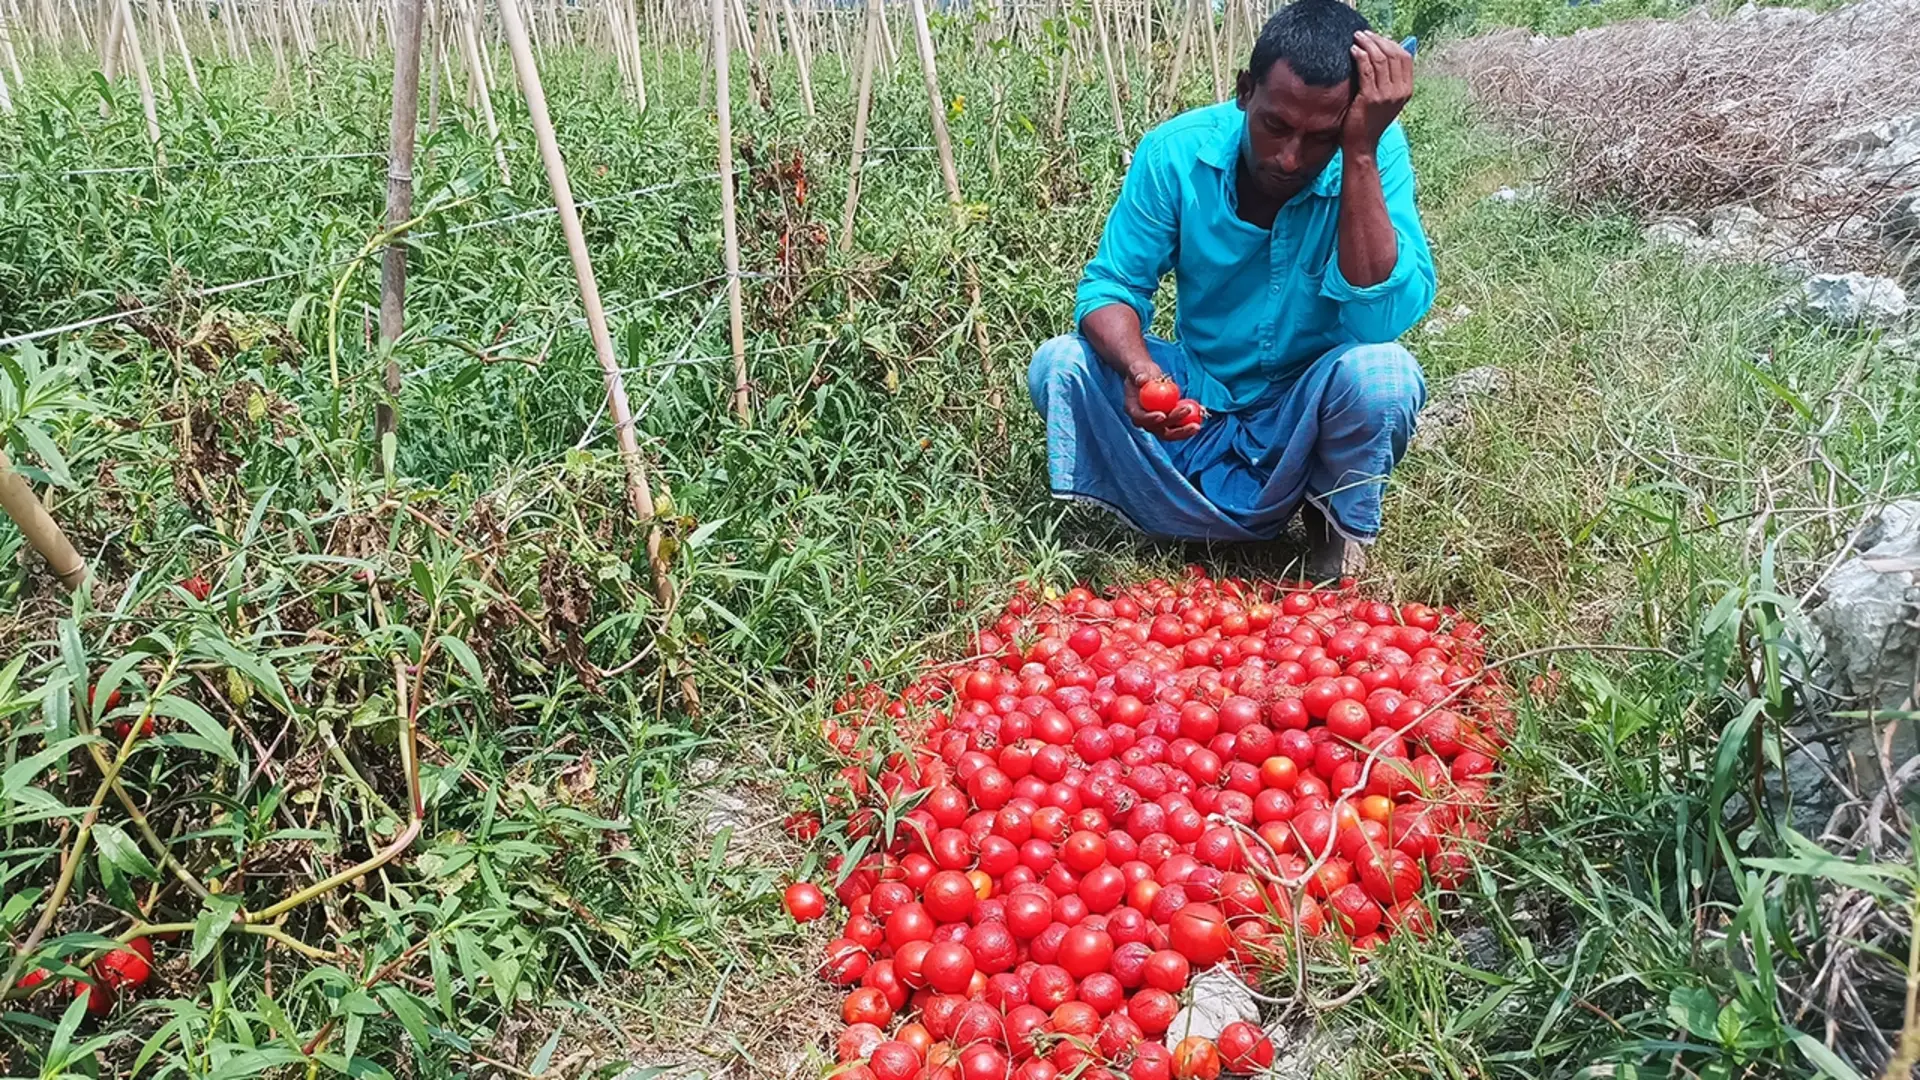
[38, 526]
[1179, 57]
[868, 49]
[729, 224]
[13, 64]
[160, 52]
[923, 37]
[800, 57]
[145, 82]
[180, 42]
[6, 97]
[477, 72]
[639, 493]
[1113, 84]
[639, 58]
[1213, 49]
[393, 261]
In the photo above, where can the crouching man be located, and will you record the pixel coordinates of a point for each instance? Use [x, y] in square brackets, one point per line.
[1287, 218]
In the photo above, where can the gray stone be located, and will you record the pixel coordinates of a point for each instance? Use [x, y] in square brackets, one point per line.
[1869, 615]
[1676, 232]
[1850, 300]
[1507, 196]
[1882, 146]
[1219, 998]
[1449, 409]
[1441, 322]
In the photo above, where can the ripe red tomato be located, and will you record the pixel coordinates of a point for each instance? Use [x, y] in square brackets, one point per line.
[949, 897]
[804, 901]
[866, 1005]
[846, 962]
[1167, 970]
[1151, 1061]
[1159, 395]
[909, 922]
[1357, 912]
[1196, 1058]
[857, 1041]
[1200, 933]
[127, 967]
[1245, 1048]
[1085, 950]
[894, 1060]
[983, 1061]
[948, 967]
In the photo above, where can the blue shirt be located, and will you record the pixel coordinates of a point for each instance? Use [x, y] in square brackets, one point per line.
[1256, 306]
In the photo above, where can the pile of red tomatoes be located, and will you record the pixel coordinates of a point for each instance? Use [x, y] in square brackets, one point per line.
[1115, 794]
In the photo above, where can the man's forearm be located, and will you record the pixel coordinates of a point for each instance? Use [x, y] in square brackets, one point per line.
[1116, 335]
[1369, 247]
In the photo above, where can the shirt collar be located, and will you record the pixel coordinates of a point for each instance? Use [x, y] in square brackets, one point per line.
[1224, 152]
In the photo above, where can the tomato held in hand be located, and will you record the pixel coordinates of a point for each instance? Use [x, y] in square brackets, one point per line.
[1159, 395]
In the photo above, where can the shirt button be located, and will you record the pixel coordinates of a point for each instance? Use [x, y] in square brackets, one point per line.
[1274, 288]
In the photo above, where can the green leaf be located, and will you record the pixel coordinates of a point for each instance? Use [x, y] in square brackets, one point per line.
[407, 1010]
[203, 724]
[211, 925]
[120, 850]
[468, 661]
[1696, 1009]
[1817, 1055]
[705, 532]
[545, 1057]
[23, 772]
[255, 1062]
[43, 446]
[257, 670]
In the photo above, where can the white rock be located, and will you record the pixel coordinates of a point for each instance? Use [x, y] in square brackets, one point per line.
[1851, 300]
[1511, 195]
[1219, 998]
[1675, 232]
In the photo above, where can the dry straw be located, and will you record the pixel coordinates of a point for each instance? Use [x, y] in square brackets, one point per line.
[1680, 117]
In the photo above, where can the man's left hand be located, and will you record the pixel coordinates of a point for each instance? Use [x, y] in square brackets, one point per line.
[1386, 82]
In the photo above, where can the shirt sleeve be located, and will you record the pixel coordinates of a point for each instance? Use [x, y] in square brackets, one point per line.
[1137, 246]
[1382, 312]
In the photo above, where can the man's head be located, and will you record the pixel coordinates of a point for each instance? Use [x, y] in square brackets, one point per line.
[1295, 93]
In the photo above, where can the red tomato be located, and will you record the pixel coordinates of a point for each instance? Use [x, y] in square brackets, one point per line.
[866, 1006]
[1199, 932]
[894, 1060]
[1159, 395]
[127, 967]
[1085, 950]
[1244, 1048]
[857, 1041]
[1196, 1058]
[846, 962]
[949, 967]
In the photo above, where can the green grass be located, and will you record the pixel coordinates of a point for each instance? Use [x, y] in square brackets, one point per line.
[1650, 458]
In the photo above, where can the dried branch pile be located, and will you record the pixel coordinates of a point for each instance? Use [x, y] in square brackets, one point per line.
[1797, 113]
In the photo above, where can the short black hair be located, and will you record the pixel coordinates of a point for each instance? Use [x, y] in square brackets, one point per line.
[1314, 37]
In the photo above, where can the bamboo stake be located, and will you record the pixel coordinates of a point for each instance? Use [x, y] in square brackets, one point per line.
[923, 37]
[892, 53]
[477, 72]
[160, 53]
[639, 60]
[800, 56]
[393, 261]
[1180, 57]
[1058, 128]
[38, 526]
[180, 42]
[639, 493]
[928, 68]
[1113, 85]
[729, 225]
[1213, 50]
[868, 49]
[79, 24]
[436, 52]
[13, 64]
[144, 81]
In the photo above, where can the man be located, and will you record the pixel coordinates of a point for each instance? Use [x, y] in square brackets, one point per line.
[1287, 219]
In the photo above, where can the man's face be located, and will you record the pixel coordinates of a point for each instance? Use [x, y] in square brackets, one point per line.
[1292, 129]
